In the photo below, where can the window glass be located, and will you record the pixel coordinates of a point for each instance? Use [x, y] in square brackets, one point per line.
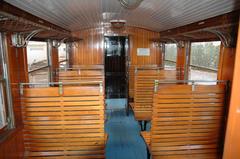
[36, 55]
[170, 55]
[204, 60]
[39, 76]
[62, 52]
[3, 104]
[3, 116]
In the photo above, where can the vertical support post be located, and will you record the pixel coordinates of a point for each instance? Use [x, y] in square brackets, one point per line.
[232, 138]
[21, 89]
[49, 54]
[60, 88]
[182, 54]
[101, 87]
[156, 83]
[187, 59]
[163, 54]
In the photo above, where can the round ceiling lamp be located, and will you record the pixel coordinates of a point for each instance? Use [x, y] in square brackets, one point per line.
[130, 4]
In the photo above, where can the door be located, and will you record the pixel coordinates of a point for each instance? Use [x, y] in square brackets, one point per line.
[115, 66]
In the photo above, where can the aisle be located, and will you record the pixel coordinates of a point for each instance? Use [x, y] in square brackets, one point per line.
[124, 141]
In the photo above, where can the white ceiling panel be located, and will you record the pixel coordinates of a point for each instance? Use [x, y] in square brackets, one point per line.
[156, 15]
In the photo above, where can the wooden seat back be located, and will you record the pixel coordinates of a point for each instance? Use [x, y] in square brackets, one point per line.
[188, 122]
[77, 75]
[65, 122]
[144, 90]
[131, 77]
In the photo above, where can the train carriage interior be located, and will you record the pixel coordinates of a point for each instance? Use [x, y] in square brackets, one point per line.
[119, 79]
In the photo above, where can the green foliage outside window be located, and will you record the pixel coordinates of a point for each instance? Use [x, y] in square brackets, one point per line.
[205, 55]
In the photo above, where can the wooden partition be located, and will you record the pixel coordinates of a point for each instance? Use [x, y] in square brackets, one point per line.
[188, 122]
[144, 89]
[64, 122]
[81, 73]
[131, 77]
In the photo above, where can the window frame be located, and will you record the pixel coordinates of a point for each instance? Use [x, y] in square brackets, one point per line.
[6, 88]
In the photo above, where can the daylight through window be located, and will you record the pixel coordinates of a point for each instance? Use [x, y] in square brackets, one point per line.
[204, 60]
[37, 58]
[170, 55]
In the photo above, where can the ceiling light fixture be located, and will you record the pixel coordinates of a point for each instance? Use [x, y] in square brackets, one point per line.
[130, 4]
[118, 24]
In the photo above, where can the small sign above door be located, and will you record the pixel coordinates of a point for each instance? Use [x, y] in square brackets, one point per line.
[143, 51]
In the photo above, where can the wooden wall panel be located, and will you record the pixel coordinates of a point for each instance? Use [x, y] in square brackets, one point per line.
[232, 140]
[55, 63]
[91, 49]
[226, 63]
[11, 147]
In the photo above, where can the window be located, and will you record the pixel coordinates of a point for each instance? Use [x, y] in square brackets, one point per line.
[3, 112]
[37, 58]
[204, 60]
[170, 55]
[62, 53]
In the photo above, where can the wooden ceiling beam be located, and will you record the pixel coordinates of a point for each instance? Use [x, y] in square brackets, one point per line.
[225, 20]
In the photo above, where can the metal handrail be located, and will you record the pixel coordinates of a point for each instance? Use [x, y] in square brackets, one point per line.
[192, 82]
[61, 84]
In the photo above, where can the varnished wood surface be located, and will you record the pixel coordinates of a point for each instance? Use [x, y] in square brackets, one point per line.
[80, 75]
[188, 122]
[91, 49]
[232, 142]
[11, 147]
[226, 63]
[144, 89]
[68, 125]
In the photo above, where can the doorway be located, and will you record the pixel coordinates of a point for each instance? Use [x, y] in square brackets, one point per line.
[116, 51]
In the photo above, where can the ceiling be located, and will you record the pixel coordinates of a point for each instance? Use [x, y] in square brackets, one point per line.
[157, 15]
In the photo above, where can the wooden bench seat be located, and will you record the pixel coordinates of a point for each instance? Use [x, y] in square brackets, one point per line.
[65, 122]
[144, 90]
[187, 122]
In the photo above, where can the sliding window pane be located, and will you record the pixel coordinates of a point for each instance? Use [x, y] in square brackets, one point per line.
[37, 55]
[170, 55]
[62, 52]
[39, 76]
[204, 60]
[3, 115]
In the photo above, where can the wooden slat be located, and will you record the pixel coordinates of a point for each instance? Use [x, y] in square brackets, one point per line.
[144, 89]
[67, 125]
[188, 122]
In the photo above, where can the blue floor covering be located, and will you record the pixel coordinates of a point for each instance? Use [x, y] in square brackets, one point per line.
[124, 141]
